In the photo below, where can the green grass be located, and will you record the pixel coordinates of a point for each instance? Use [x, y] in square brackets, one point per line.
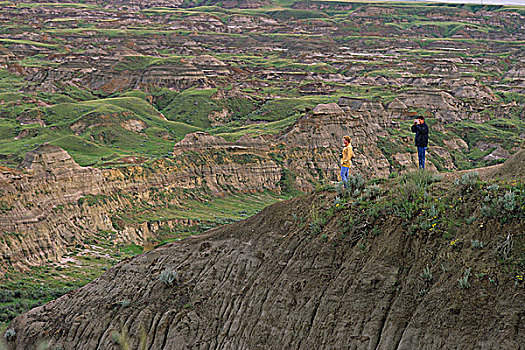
[54, 4]
[112, 32]
[26, 42]
[135, 63]
[74, 92]
[193, 107]
[136, 93]
[10, 96]
[196, 107]
[288, 64]
[214, 210]
[101, 130]
[10, 82]
[8, 129]
[37, 61]
[289, 14]
[282, 108]
[271, 128]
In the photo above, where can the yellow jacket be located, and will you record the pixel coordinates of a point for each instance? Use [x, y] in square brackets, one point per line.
[348, 154]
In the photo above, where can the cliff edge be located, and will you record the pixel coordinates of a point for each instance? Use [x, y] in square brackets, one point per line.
[380, 266]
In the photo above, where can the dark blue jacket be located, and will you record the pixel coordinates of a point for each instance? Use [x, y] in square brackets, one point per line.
[421, 131]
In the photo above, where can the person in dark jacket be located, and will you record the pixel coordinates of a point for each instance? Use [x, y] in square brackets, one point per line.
[421, 130]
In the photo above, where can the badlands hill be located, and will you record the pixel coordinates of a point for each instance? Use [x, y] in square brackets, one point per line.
[128, 124]
[411, 262]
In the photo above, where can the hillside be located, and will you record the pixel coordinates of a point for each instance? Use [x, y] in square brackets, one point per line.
[126, 125]
[132, 78]
[410, 262]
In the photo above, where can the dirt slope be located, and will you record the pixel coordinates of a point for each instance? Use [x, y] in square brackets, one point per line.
[361, 279]
[512, 168]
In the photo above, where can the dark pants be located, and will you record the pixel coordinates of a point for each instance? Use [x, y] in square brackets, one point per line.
[421, 156]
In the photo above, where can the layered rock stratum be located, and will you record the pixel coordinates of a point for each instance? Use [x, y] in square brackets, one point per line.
[55, 204]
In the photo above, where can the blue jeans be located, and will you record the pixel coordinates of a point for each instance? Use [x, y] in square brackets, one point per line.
[344, 174]
[421, 156]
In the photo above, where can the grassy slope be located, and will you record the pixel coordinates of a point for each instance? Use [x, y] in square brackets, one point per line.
[102, 132]
[467, 215]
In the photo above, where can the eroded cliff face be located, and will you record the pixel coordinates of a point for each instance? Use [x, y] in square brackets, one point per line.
[112, 76]
[268, 283]
[55, 204]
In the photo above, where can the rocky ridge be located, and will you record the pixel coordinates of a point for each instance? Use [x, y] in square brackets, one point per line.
[268, 283]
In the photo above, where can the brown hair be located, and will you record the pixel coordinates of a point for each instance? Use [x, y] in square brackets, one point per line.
[422, 117]
[347, 138]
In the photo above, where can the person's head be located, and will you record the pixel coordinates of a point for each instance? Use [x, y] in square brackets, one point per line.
[421, 119]
[347, 140]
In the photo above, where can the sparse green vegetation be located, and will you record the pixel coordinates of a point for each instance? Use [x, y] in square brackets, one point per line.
[426, 274]
[463, 281]
[21, 291]
[169, 277]
[114, 87]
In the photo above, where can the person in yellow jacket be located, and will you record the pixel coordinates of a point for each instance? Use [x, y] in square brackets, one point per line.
[346, 158]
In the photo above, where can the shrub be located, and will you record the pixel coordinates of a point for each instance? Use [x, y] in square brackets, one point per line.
[509, 201]
[470, 220]
[123, 303]
[433, 212]
[169, 277]
[356, 181]
[463, 281]
[340, 189]
[371, 192]
[315, 228]
[325, 187]
[436, 177]
[426, 274]
[467, 181]
[10, 334]
[474, 243]
[493, 188]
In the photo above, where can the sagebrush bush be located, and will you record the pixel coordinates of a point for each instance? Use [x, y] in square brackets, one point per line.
[356, 181]
[169, 277]
[315, 228]
[467, 181]
[426, 274]
[509, 201]
[463, 281]
[474, 243]
[10, 334]
[371, 192]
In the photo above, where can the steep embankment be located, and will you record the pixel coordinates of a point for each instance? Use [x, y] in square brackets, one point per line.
[415, 262]
[56, 204]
